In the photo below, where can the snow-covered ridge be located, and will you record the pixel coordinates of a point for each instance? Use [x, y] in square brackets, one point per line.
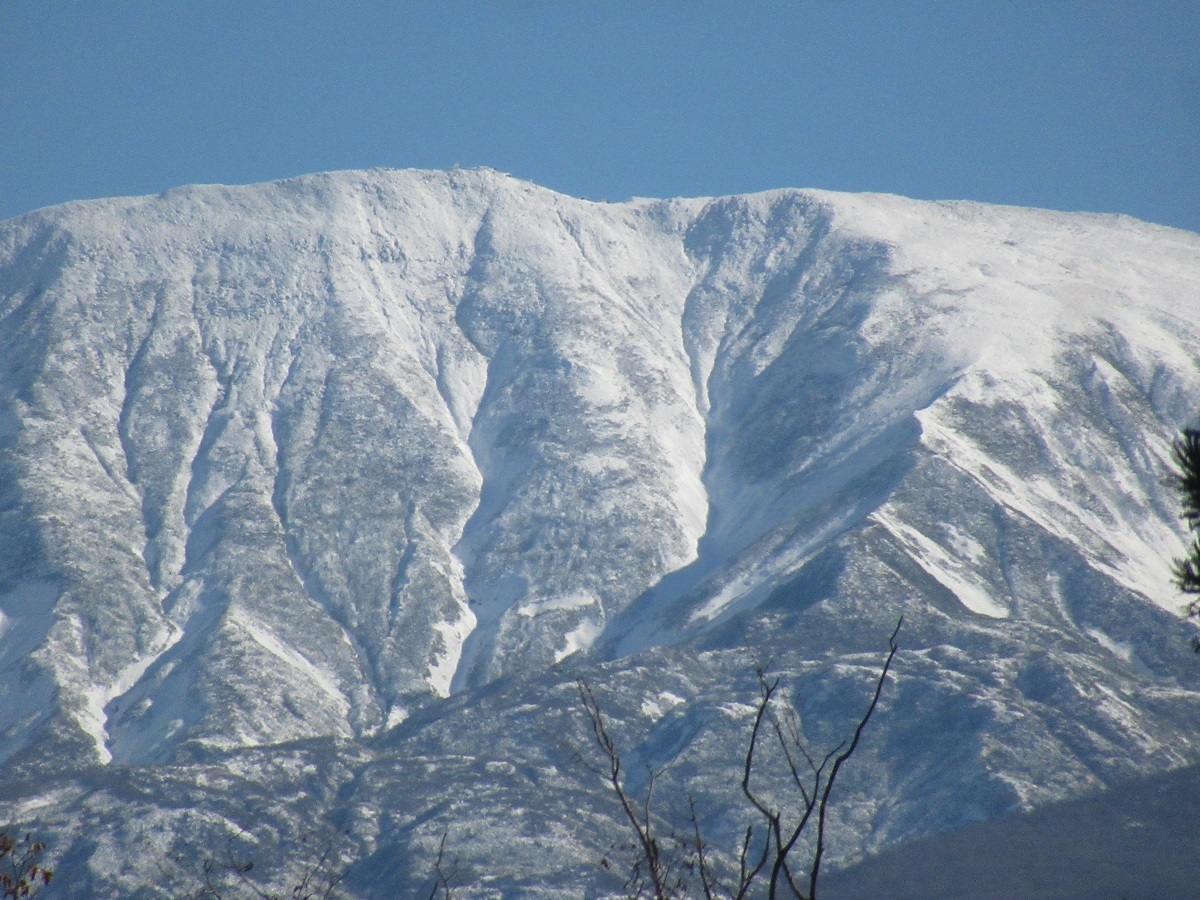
[291, 459]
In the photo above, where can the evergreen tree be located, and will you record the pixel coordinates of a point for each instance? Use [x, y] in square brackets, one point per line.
[1186, 451]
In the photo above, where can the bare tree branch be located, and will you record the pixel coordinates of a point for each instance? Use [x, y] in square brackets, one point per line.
[650, 863]
[443, 875]
[317, 877]
[661, 862]
[846, 754]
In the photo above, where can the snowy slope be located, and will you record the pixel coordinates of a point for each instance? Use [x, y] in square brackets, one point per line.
[298, 461]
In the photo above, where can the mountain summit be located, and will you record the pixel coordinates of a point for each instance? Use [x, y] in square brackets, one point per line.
[338, 483]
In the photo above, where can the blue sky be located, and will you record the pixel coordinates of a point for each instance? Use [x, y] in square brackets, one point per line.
[1069, 105]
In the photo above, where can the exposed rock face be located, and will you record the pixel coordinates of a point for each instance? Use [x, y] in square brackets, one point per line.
[296, 462]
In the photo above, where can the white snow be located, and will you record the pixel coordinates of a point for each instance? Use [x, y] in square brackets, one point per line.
[577, 600]
[965, 546]
[421, 430]
[943, 566]
[1117, 648]
[324, 680]
[1137, 558]
[654, 707]
[441, 672]
[339, 446]
[579, 638]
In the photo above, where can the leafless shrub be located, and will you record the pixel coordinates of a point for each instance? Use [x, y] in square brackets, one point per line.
[668, 863]
[22, 873]
[319, 870]
[444, 873]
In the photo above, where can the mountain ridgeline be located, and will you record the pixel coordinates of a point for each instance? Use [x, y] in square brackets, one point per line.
[331, 487]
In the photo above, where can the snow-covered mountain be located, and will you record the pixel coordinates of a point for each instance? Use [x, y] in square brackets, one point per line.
[316, 497]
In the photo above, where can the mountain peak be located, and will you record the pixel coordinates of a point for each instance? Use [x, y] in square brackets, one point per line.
[298, 460]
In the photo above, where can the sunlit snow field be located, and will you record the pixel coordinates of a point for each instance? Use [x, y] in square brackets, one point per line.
[317, 496]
